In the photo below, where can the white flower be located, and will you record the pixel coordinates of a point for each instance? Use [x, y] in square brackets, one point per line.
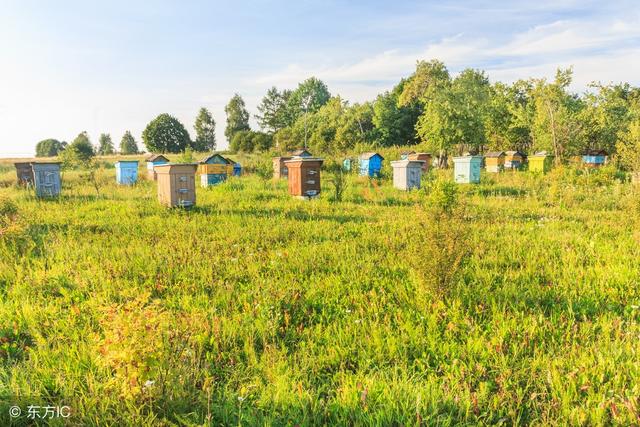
[149, 383]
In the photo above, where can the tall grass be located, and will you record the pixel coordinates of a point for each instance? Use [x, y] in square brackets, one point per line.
[256, 308]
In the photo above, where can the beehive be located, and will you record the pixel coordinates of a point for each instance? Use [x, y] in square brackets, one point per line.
[153, 161]
[279, 167]
[494, 161]
[301, 153]
[407, 174]
[176, 184]
[370, 164]
[304, 176]
[466, 169]
[46, 179]
[347, 164]
[594, 158]
[513, 160]
[127, 172]
[24, 172]
[405, 155]
[540, 162]
[214, 169]
[425, 157]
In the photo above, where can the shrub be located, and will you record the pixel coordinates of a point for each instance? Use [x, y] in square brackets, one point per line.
[337, 179]
[438, 243]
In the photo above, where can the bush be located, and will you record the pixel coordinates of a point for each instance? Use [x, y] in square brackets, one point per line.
[337, 178]
[438, 246]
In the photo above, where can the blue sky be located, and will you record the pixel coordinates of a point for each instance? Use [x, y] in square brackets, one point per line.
[69, 66]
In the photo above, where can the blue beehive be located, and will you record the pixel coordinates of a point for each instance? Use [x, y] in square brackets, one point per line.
[370, 164]
[466, 169]
[152, 161]
[214, 169]
[46, 179]
[594, 158]
[237, 169]
[127, 172]
[347, 164]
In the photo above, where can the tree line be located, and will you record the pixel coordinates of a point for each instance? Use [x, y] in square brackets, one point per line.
[445, 114]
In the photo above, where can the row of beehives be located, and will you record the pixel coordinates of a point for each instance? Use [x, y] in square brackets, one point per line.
[176, 182]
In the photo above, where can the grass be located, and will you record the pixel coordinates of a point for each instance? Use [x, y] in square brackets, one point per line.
[257, 308]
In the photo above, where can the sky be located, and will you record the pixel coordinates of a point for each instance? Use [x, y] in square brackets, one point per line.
[107, 67]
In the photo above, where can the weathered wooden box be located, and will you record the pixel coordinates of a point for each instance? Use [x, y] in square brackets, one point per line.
[407, 174]
[24, 172]
[279, 167]
[370, 164]
[176, 184]
[46, 178]
[304, 176]
[494, 161]
[466, 169]
[152, 162]
[127, 172]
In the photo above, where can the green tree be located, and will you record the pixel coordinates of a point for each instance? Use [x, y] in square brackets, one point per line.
[105, 145]
[49, 148]
[81, 148]
[205, 127]
[454, 115]
[237, 117]
[273, 110]
[628, 144]
[556, 126]
[262, 141]
[308, 97]
[165, 134]
[355, 126]
[128, 144]
[395, 123]
[242, 141]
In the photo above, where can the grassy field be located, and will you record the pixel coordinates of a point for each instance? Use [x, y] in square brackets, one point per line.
[256, 308]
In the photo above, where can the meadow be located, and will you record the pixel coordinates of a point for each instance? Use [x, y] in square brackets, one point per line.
[254, 308]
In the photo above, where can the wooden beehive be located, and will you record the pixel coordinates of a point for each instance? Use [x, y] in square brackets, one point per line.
[513, 160]
[177, 184]
[466, 169]
[301, 153]
[540, 162]
[594, 158]
[494, 161]
[370, 164]
[127, 172]
[425, 157]
[405, 155]
[279, 167]
[214, 169]
[24, 171]
[407, 174]
[153, 161]
[46, 179]
[304, 176]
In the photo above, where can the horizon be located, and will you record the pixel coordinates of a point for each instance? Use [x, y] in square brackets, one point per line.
[73, 67]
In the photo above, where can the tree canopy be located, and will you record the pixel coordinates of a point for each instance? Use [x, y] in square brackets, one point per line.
[49, 147]
[205, 128]
[237, 117]
[165, 134]
[128, 144]
[105, 145]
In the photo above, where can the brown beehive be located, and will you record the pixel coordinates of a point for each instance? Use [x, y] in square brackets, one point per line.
[152, 161]
[494, 161]
[279, 168]
[304, 176]
[24, 171]
[176, 184]
[425, 157]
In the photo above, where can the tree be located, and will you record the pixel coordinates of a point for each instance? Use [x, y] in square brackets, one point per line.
[128, 144]
[628, 144]
[242, 141]
[81, 148]
[237, 117]
[105, 145]
[273, 110]
[454, 115]
[556, 126]
[205, 128]
[429, 78]
[49, 148]
[165, 134]
[308, 97]
[395, 124]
